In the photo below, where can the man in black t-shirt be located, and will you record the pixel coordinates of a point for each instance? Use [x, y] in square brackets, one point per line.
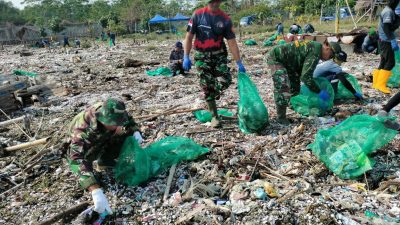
[211, 25]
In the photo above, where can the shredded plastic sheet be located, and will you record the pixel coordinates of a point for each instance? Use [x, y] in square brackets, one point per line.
[24, 73]
[345, 149]
[252, 113]
[136, 165]
[205, 116]
[162, 71]
[308, 103]
[343, 93]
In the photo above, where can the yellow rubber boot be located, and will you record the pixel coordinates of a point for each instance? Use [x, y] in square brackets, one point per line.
[382, 80]
[375, 77]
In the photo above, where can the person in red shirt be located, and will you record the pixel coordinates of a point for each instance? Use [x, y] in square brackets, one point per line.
[211, 25]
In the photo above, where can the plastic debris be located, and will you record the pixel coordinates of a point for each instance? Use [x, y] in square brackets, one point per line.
[24, 73]
[162, 71]
[344, 149]
[205, 116]
[252, 113]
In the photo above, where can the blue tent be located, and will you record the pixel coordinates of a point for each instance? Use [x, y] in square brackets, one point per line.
[158, 19]
[180, 17]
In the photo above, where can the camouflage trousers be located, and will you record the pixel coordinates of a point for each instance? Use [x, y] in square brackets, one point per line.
[176, 68]
[214, 74]
[286, 84]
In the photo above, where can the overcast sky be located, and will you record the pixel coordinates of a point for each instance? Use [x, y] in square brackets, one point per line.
[16, 3]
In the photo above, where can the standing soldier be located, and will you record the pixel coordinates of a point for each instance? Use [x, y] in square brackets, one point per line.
[211, 25]
[388, 23]
[294, 62]
[98, 134]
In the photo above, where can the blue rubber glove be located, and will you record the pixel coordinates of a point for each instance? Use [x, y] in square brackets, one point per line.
[187, 63]
[358, 96]
[394, 44]
[240, 66]
[324, 95]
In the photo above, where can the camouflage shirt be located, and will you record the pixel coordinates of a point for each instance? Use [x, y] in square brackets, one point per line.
[300, 58]
[87, 140]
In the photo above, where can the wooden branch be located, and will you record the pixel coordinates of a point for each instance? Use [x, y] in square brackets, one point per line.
[71, 211]
[11, 189]
[169, 181]
[27, 145]
[13, 121]
[209, 131]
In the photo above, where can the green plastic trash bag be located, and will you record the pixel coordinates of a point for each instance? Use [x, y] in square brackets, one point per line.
[136, 165]
[252, 113]
[268, 43]
[162, 71]
[133, 166]
[273, 37]
[171, 150]
[343, 93]
[394, 80]
[281, 42]
[205, 116]
[344, 149]
[250, 42]
[308, 103]
[24, 73]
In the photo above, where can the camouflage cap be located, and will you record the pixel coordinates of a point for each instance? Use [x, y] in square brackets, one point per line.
[112, 113]
[337, 52]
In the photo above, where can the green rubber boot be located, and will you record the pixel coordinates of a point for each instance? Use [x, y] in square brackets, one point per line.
[281, 111]
[212, 107]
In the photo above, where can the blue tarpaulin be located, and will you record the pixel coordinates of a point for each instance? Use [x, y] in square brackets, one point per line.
[158, 19]
[180, 17]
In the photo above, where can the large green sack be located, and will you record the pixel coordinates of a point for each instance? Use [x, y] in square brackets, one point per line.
[162, 71]
[250, 42]
[205, 116]
[344, 149]
[252, 113]
[136, 165]
[343, 93]
[268, 43]
[273, 37]
[308, 103]
[394, 80]
[281, 42]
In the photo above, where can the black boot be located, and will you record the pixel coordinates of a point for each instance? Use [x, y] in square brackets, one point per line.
[281, 111]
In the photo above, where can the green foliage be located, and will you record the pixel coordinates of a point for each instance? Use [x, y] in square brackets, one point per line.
[262, 12]
[9, 13]
[55, 25]
[115, 27]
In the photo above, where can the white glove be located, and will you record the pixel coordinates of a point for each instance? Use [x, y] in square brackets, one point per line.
[138, 137]
[100, 201]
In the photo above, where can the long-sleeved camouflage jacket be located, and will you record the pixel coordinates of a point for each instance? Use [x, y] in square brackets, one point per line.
[87, 140]
[300, 59]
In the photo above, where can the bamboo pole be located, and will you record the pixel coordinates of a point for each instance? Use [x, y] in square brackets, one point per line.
[27, 145]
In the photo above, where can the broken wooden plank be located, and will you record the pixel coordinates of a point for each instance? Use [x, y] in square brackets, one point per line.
[24, 119]
[27, 145]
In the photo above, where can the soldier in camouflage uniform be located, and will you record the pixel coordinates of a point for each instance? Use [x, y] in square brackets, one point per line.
[211, 25]
[176, 59]
[98, 134]
[294, 62]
